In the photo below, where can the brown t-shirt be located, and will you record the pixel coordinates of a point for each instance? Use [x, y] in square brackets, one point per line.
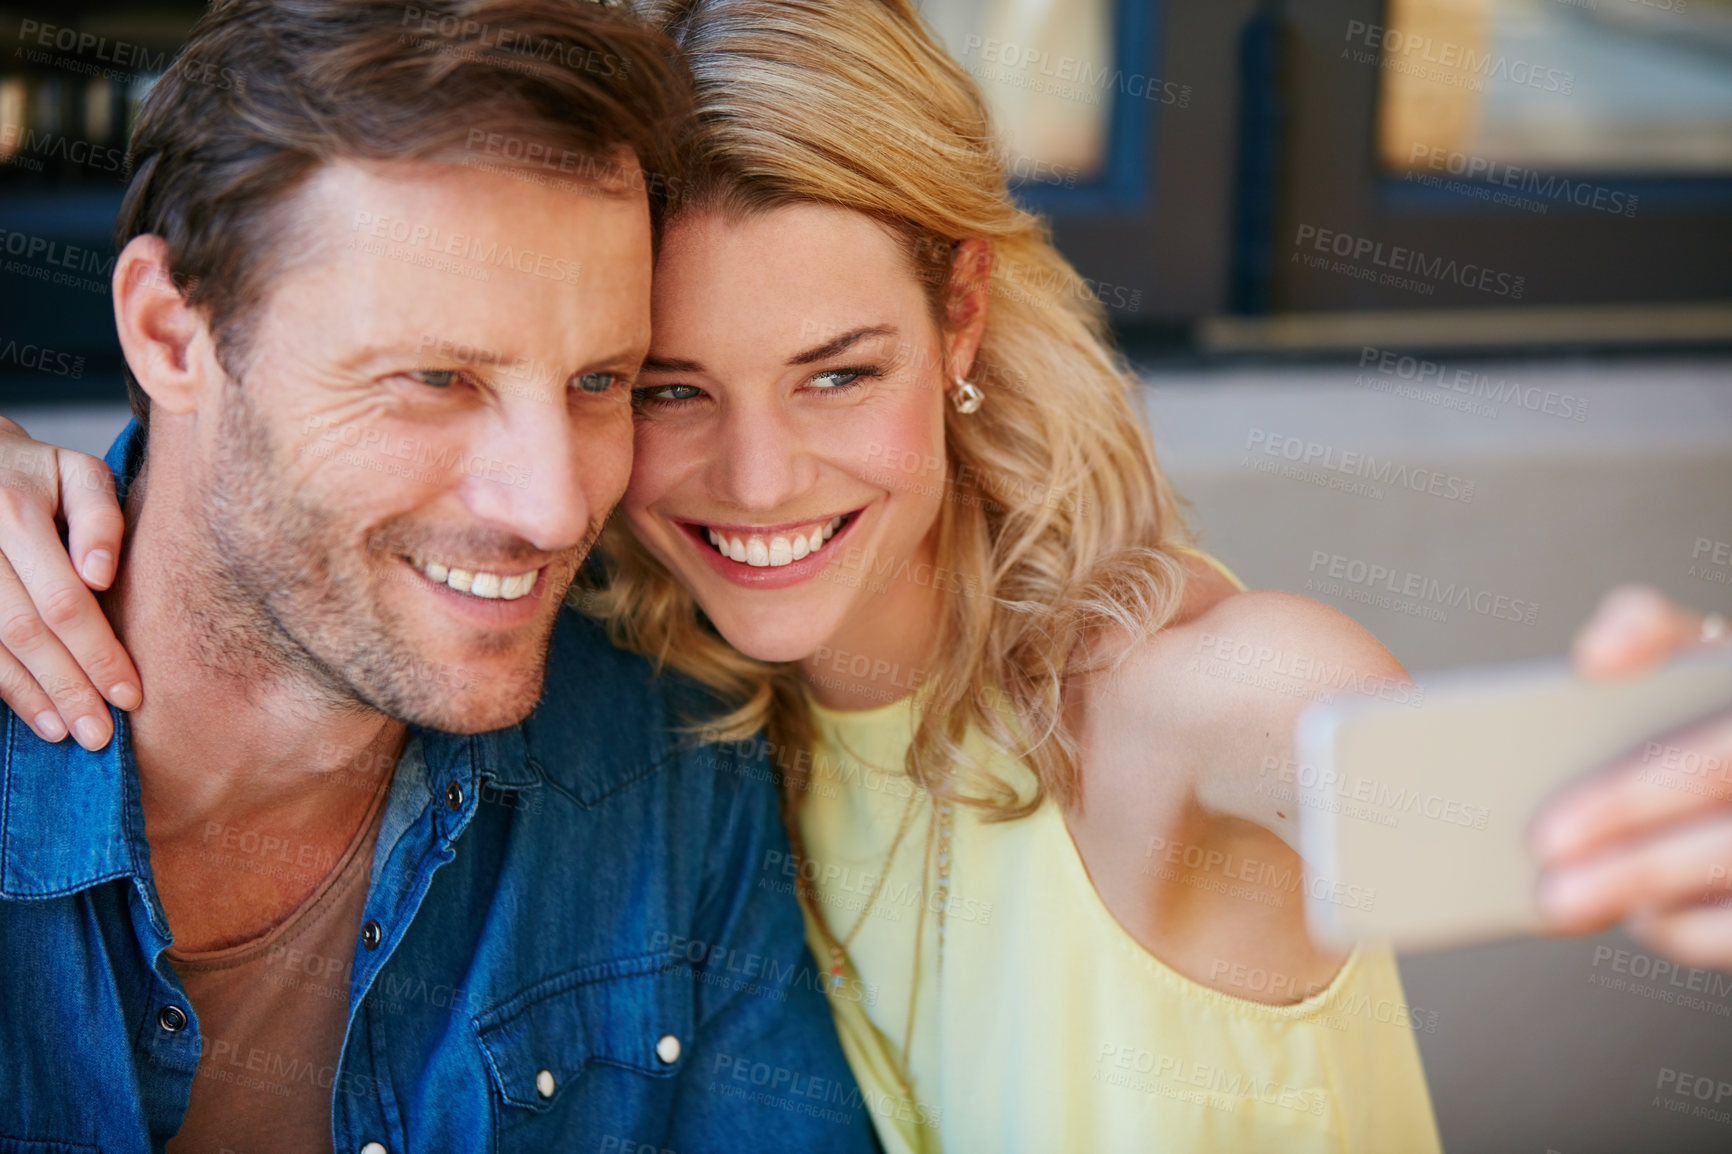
[271, 1015]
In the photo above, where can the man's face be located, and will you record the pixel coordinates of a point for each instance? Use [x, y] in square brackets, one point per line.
[432, 421]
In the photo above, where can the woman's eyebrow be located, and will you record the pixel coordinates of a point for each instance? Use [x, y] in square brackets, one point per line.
[840, 343]
[670, 365]
[846, 340]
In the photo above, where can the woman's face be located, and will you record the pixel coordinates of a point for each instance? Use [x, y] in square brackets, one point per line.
[790, 464]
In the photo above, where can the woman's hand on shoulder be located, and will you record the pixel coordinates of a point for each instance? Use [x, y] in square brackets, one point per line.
[56, 647]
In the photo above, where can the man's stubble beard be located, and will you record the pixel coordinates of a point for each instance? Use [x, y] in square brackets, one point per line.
[285, 595]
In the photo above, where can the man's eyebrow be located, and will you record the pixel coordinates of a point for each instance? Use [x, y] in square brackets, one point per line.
[433, 350]
[471, 356]
[825, 351]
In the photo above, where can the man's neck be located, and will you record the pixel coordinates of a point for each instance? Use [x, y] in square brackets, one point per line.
[234, 745]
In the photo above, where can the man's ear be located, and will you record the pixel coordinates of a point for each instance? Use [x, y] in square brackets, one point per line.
[167, 343]
[966, 303]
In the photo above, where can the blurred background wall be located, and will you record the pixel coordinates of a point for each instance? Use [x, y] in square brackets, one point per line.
[1487, 239]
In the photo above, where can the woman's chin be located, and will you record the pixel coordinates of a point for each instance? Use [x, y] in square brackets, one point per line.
[774, 641]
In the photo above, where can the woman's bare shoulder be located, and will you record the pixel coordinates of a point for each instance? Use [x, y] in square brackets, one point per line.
[1263, 633]
[1240, 668]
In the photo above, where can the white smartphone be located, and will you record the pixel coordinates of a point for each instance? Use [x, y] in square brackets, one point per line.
[1413, 817]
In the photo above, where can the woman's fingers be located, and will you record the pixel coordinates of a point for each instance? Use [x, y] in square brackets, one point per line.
[94, 529]
[22, 695]
[1698, 935]
[57, 595]
[1674, 868]
[30, 641]
[94, 525]
[1647, 841]
[1671, 778]
[1634, 629]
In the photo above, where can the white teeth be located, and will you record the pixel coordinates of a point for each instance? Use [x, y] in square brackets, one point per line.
[778, 550]
[489, 586]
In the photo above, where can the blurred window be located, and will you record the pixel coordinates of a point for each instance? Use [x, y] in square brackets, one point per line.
[1049, 70]
[1616, 87]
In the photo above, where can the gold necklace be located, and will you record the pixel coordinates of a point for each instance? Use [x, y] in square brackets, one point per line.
[838, 949]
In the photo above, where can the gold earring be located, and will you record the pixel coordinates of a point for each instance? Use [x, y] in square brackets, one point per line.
[967, 397]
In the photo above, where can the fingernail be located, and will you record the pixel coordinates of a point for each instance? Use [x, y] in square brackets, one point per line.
[1565, 896]
[125, 695]
[49, 726]
[1549, 836]
[1631, 615]
[99, 568]
[89, 733]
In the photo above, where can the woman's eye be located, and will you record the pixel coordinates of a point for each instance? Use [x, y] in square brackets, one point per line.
[667, 393]
[596, 382]
[837, 378]
[436, 378]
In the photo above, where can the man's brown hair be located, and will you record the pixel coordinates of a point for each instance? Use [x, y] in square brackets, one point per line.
[265, 91]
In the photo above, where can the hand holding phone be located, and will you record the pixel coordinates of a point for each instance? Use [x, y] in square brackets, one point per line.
[1415, 819]
[1617, 848]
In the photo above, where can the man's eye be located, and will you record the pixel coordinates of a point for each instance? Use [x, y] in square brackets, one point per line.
[436, 378]
[596, 382]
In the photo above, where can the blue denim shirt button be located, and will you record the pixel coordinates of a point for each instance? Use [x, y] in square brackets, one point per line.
[668, 1049]
[453, 796]
[172, 1019]
[371, 934]
[373, 1148]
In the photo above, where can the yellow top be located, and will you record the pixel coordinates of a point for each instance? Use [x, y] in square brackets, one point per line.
[1047, 1027]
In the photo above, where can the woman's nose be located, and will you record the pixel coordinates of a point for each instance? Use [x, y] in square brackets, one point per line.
[757, 464]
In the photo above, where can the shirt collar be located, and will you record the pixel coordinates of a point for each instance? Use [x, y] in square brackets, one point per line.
[71, 818]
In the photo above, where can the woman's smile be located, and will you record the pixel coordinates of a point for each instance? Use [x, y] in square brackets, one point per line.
[769, 556]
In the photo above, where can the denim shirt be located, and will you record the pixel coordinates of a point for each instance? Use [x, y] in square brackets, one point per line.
[571, 941]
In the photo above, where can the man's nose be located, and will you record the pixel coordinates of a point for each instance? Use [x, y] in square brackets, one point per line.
[527, 476]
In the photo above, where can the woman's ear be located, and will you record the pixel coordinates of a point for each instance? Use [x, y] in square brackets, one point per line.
[966, 304]
[167, 342]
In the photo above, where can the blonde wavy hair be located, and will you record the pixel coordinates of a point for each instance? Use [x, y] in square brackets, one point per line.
[1060, 518]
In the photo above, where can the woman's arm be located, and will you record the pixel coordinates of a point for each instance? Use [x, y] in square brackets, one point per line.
[1202, 714]
[1221, 691]
[57, 645]
[1187, 820]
